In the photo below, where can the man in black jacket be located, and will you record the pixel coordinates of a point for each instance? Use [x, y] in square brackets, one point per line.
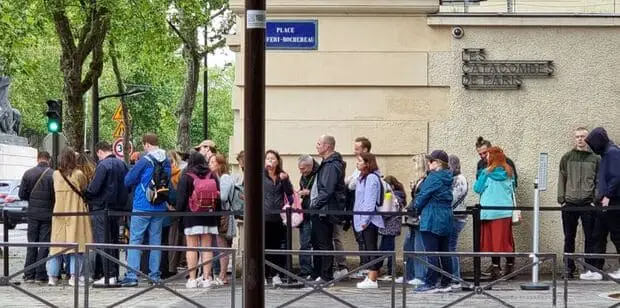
[328, 193]
[106, 192]
[37, 187]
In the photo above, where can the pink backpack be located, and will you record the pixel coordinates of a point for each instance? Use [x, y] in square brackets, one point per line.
[296, 217]
[205, 196]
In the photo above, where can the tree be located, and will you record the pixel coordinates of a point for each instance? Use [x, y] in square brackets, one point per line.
[186, 20]
[76, 47]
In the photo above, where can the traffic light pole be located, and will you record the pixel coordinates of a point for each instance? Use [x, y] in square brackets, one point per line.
[55, 150]
[254, 142]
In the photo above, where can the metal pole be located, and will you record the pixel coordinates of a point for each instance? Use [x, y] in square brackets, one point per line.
[289, 241]
[535, 285]
[205, 91]
[476, 234]
[5, 230]
[254, 142]
[509, 6]
[95, 115]
[55, 149]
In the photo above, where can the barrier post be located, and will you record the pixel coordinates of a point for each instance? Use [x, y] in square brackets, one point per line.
[476, 233]
[535, 285]
[288, 283]
[5, 229]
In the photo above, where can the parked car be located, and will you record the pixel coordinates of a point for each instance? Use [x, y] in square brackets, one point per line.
[10, 202]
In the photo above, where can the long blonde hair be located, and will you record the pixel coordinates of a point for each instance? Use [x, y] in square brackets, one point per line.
[420, 166]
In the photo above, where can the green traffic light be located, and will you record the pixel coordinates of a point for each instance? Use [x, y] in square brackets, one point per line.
[52, 126]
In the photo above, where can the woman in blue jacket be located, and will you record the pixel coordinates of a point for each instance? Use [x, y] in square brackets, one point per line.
[436, 220]
[495, 185]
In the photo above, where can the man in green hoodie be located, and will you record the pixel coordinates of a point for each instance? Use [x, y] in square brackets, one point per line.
[576, 188]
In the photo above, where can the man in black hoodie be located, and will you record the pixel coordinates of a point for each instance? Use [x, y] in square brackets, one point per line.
[107, 192]
[608, 191]
[37, 187]
[328, 193]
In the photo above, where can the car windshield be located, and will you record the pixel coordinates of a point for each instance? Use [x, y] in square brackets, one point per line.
[5, 188]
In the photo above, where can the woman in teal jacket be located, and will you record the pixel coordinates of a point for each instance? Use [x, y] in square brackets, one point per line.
[495, 184]
[436, 220]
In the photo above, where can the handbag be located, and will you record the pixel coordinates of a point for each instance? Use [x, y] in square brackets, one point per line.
[516, 214]
[296, 217]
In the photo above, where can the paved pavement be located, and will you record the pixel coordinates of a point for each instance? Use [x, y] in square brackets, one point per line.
[581, 294]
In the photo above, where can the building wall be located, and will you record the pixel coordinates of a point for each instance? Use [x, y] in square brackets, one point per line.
[395, 77]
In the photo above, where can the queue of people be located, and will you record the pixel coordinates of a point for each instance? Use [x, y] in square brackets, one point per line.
[589, 176]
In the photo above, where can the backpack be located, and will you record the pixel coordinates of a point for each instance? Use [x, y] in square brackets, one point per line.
[158, 188]
[236, 200]
[296, 217]
[205, 196]
[387, 199]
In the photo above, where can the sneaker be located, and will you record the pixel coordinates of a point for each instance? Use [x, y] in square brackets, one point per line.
[444, 289]
[28, 280]
[341, 273]
[368, 284]
[206, 283]
[191, 284]
[496, 272]
[426, 289]
[400, 279]
[615, 275]
[218, 282]
[72, 281]
[416, 282]
[129, 283]
[488, 271]
[590, 275]
[456, 286]
[276, 280]
[360, 275]
[101, 282]
[229, 270]
[385, 278]
[52, 282]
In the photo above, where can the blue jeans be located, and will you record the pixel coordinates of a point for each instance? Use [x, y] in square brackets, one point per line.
[53, 265]
[434, 242]
[452, 242]
[413, 242]
[305, 243]
[215, 265]
[139, 225]
[388, 243]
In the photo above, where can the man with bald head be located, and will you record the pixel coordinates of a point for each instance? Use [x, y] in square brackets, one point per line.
[328, 193]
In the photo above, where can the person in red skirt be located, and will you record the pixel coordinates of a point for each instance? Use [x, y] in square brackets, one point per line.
[495, 184]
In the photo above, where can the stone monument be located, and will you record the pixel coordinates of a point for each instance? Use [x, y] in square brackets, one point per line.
[15, 155]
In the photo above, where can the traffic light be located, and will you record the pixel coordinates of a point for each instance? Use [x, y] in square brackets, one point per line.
[54, 116]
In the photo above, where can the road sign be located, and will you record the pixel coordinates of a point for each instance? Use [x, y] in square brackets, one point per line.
[118, 150]
[48, 140]
[119, 131]
[543, 166]
[118, 114]
[292, 34]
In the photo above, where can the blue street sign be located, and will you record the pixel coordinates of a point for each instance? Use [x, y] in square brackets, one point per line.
[292, 34]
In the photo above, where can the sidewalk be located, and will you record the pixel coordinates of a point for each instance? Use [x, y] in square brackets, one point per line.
[581, 294]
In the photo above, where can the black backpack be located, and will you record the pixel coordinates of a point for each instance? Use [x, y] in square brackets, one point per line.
[158, 188]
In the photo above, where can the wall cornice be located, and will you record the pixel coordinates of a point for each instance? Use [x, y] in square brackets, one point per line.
[298, 7]
[525, 20]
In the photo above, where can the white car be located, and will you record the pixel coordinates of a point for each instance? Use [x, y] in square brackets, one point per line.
[10, 202]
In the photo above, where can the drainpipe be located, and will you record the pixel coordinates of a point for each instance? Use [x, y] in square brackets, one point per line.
[509, 6]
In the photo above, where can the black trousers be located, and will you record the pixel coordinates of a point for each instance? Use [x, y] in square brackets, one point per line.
[323, 239]
[369, 239]
[39, 231]
[275, 235]
[606, 223]
[99, 236]
[570, 220]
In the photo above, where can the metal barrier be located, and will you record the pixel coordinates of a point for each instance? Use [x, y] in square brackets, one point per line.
[99, 249]
[476, 289]
[6, 280]
[579, 259]
[320, 287]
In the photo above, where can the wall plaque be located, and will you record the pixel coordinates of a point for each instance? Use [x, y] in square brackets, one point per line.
[482, 74]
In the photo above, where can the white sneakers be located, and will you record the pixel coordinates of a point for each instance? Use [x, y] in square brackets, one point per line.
[72, 281]
[615, 275]
[385, 278]
[101, 282]
[413, 282]
[341, 273]
[276, 280]
[592, 276]
[191, 284]
[52, 281]
[368, 284]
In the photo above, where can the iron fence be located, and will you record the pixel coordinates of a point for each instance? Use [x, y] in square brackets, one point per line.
[579, 258]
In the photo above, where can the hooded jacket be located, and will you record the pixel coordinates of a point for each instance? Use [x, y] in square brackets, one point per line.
[495, 189]
[185, 190]
[609, 169]
[329, 192]
[434, 201]
[140, 175]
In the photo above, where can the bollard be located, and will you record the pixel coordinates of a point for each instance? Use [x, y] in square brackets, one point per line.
[5, 229]
[106, 239]
[288, 283]
[476, 234]
[535, 285]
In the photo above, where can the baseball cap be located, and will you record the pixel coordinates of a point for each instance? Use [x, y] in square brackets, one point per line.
[440, 155]
[205, 143]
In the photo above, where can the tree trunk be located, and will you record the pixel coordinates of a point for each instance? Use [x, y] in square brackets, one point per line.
[73, 108]
[121, 89]
[188, 101]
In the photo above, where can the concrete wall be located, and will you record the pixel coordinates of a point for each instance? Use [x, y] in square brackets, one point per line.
[394, 76]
